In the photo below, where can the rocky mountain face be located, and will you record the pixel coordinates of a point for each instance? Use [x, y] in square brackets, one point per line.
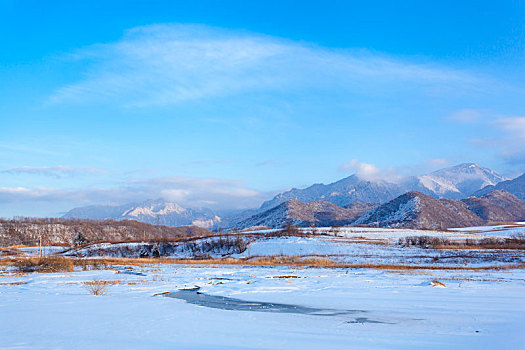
[417, 210]
[515, 186]
[314, 213]
[455, 182]
[156, 212]
[497, 205]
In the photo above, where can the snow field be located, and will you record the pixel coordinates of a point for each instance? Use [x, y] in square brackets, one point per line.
[477, 310]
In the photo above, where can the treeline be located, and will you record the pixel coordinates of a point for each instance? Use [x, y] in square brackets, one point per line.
[53, 231]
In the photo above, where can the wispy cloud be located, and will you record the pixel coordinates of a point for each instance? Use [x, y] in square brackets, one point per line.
[514, 126]
[271, 163]
[466, 116]
[173, 63]
[511, 142]
[55, 171]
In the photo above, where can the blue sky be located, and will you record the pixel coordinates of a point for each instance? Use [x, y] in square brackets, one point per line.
[222, 104]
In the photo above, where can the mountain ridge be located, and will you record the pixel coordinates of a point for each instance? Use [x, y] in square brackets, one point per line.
[456, 182]
[515, 186]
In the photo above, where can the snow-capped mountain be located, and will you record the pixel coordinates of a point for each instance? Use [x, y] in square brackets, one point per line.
[158, 211]
[343, 192]
[460, 181]
[455, 182]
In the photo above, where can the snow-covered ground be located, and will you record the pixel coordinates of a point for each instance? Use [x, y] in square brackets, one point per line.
[46, 250]
[394, 234]
[363, 253]
[375, 309]
[336, 248]
[494, 231]
[349, 245]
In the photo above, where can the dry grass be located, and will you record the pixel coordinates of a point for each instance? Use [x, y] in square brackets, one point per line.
[436, 283]
[13, 283]
[66, 264]
[296, 261]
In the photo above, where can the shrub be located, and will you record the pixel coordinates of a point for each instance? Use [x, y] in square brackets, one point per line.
[425, 242]
[289, 229]
[428, 242]
[96, 287]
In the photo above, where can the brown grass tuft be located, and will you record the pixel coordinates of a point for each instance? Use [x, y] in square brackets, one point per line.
[47, 264]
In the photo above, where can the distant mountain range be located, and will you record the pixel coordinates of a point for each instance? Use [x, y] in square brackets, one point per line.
[410, 210]
[455, 182]
[443, 198]
[157, 212]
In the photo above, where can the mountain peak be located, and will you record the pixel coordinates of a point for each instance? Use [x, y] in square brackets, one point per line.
[455, 182]
[460, 181]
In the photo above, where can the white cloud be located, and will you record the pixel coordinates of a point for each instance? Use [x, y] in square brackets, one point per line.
[173, 63]
[366, 171]
[186, 191]
[56, 171]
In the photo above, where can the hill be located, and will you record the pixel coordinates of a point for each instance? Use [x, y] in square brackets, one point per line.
[417, 210]
[64, 231]
[497, 205]
[314, 213]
